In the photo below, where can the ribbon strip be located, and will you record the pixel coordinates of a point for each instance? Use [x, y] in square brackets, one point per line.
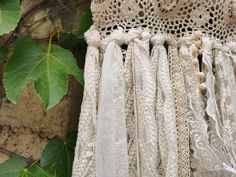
[111, 141]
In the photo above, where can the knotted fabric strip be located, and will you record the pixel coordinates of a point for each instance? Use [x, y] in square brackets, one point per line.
[226, 88]
[111, 142]
[144, 103]
[165, 109]
[131, 119]
[129, 110]
[84, 160]
[180, 101]
[204, 158]
[211, 107]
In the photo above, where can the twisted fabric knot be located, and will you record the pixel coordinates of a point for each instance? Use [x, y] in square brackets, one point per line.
[131, 35]
[197, 35]
[117, 36]
[225, 48]
[93, 37]
[146, 35]
[207, 44]
[186, 41]
[158, 40]
[232, 47]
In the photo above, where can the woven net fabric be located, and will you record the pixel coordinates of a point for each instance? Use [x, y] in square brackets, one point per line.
[216, 18]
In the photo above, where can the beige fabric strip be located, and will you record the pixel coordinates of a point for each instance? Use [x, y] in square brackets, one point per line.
[180, 102]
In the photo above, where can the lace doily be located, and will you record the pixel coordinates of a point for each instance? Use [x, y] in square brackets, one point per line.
[216, 18]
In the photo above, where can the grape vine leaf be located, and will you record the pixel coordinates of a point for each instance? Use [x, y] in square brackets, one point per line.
[84, 22]
[33, 171]
[9, 15]
[59, 155]
[68, 40]
[12, 167]
[47, 70]
[3, 53]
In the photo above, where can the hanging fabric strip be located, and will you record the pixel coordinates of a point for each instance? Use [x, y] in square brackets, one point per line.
[206, 161]
[129, 107]
[180, 101]
[111, 142]
[216, 130]
[157, 51]
[211, 106]
[144, 99]
[84, 160]
[162, 139]
[226, 88]
[203, 158]
[167, 131]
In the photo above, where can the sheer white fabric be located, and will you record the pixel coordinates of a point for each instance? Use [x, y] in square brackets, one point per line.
[111, 143]
[226, 102]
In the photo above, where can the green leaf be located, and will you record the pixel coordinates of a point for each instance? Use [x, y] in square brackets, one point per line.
[48, 71]
[68, 40]
[33, 171]
[84, 23]
[3, 52]
[12, 167]
[9, 15]
[59, 155]
[49, 175]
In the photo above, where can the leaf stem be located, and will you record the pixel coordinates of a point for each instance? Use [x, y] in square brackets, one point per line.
[50, 41]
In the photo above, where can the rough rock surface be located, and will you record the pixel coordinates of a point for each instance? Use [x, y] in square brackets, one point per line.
[21, 141]
[30, 112]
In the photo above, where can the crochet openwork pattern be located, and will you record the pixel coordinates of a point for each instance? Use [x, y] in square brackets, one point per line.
[216, 18]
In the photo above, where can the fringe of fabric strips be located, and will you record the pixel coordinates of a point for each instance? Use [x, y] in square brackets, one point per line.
[152, 110]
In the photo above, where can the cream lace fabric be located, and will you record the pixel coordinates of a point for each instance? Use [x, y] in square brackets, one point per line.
[160, 90]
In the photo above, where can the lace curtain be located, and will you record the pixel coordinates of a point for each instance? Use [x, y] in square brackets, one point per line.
[158, 104]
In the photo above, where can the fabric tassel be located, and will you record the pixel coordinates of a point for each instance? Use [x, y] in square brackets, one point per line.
[84, 159]
[111, 142]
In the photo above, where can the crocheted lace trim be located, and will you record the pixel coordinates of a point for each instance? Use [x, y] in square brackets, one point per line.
[178, 18]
